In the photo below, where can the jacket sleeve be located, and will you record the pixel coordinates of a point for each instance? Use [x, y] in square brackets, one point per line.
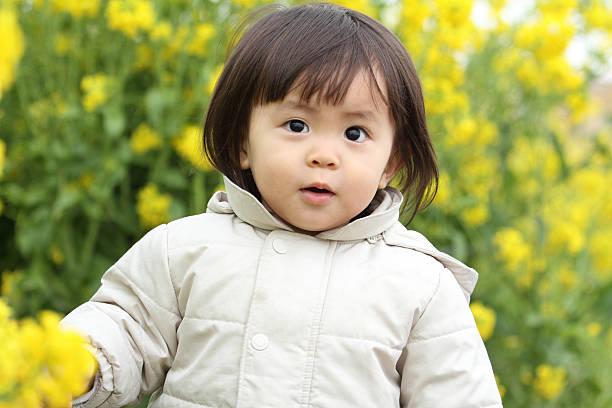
[132, 321]
[445, 363]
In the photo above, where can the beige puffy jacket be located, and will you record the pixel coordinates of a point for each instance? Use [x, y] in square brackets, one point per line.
[232, 308]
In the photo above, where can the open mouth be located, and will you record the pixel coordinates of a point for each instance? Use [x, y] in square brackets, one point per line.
[317, 194]
[316, 190]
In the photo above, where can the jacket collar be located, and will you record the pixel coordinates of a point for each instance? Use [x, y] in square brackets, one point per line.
[249, 209]
[381, 223]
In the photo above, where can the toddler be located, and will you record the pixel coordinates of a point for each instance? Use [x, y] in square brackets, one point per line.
[298, 287]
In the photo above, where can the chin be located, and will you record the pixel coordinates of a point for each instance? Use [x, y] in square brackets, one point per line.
[318, 228]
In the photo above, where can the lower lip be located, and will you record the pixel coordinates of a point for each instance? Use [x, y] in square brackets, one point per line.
[316, 198]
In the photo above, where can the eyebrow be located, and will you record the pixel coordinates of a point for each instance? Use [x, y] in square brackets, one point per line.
[290, 105]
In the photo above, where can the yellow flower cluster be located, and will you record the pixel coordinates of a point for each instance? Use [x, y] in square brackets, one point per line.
[598, 15]
[434, 33]
[78, 8]
[198, 44]
[11, 46]
[95, 88]
[189, 146]
[41, 364]
[144, 139]
[152, 206]
[62, 44]
[549, 381]
[161, 31]
[193, 41]
[517, 254]
[485, 319]
[579, 216]
[130, 16]
[537, 55]
[470, 137]
[144, 57]
[534, 162]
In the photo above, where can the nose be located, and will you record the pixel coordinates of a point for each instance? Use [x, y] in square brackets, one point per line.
[323, 155]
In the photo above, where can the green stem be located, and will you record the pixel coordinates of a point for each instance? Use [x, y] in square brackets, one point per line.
[198, 193]
[67, 244]
[90, 240]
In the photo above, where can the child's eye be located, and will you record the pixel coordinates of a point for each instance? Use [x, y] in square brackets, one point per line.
[355, 134]
[297, 126]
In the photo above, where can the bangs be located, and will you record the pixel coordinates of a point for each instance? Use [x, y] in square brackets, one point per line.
[316, 53]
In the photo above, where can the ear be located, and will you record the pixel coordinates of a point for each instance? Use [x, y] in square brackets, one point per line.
[245, 164]
[393, 166]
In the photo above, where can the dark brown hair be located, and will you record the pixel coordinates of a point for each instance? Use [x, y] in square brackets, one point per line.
[319, 48]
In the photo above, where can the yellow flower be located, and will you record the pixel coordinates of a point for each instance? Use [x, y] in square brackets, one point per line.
[85, 181]
[199, 43]
[599, 15]
[11, 47]
[443, 195]
[512, 342]
[566, 235]
[176, 43]
[549, 381]
[568, 278]
[600, 248]
[161, 31]
[57, 256]
[152, 206]
[10, 280]
[62, 44]
[189, 146]
[2, 156]
[512, 247]
[78, 8]
[130, 16]
[144, 139]
[454, 12]
[414, 15]
[475, 216]
[552, 310]
[485, 319]
[594, 329]
[144, 57]
[95, 89]
[463, 132]
[546, 37]
[40, 362]
[246, 3]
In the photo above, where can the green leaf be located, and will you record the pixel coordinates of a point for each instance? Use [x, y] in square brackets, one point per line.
[67, 198]
[34, 232]
[114, 121]
[172, 179]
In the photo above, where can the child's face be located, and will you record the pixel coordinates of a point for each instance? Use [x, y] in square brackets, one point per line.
[319, 165]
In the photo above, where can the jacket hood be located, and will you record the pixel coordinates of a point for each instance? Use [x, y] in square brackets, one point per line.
[382, 222]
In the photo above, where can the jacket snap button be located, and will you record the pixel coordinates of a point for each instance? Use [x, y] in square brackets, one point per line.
[259, 341]
[279, 246]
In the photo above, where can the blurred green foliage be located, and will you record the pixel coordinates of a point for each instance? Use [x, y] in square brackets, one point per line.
[99, 113]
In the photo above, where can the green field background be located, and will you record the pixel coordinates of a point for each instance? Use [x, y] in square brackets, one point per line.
[101, 104]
